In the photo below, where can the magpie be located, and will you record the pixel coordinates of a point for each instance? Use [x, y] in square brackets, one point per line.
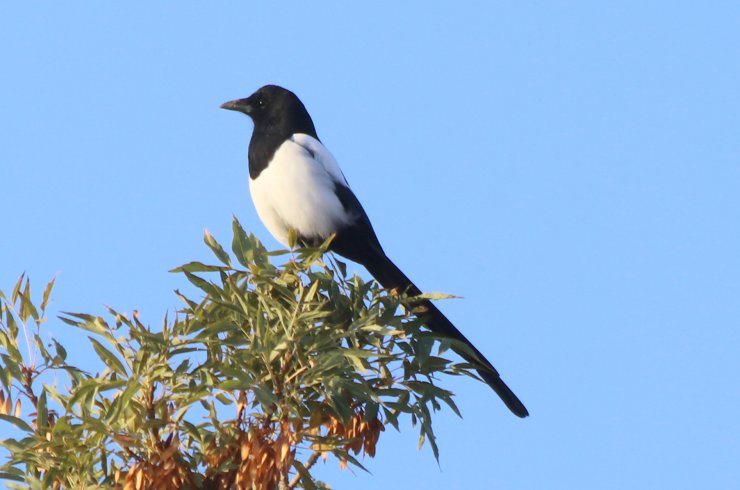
[296, 183]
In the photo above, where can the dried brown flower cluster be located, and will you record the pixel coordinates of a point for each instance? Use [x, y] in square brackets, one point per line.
[163, 471]
[363, 434]
[6, 405]
[258, 458]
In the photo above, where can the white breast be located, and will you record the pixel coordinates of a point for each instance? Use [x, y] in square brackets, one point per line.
[296, 190]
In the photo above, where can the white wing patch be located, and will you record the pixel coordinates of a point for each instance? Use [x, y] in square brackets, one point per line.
[296, 190]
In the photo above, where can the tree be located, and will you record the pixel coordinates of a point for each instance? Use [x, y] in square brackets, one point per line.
[275, 367]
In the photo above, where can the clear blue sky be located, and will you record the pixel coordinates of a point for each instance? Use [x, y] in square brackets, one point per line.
[572, 169]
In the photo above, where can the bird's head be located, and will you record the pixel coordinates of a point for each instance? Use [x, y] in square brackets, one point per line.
[261, 103]
[274, 107]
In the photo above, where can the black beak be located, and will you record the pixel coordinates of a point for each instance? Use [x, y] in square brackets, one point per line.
[239, 105]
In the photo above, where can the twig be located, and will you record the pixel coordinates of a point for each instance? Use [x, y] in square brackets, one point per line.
[309, 463]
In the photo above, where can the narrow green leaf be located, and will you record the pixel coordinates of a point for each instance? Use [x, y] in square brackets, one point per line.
[47, 292]
[341, 407]
[311, 293]
[60, 350]
[108, 357]
[240, 243]
[354, 461]
[104, 461]
[6, 377]
[225, 400]
[203, 285]
[13, 358]
[217, 249]
[189, 428]
[431, 296]
[91, 323]
[12, 325]
[17, 288]
[83, 390]
[421, 441]
[266, 398]
[41, 348]
[28, 310]
[196, 266]
[391, 417]
[361, 353]
[7, 475]
[357, 361]
[426, 429]
[17, 422]
[42, 412]
[307, 480]
[232, 385]
[212, 330]
[342, 266]
[451, 403]
[292, 237]
[122, 401]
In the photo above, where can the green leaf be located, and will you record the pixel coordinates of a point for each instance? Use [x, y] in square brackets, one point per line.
[232, 385]
[198, 267]
[240, 243]
[14, 356]
[426, 430]
[431, 296]
[307, 481]
[91, 323]
[361, 353]
[266, 398]
[108, 357]
[122, 401]
[342, 266]
[17, 288]
[47, 292]
[212, 330]
[292, 238]
[17, 422]
[354, 461]
[85, 390]
[42, 412]
[449, 401]
[28, 310]
[190, 429]
[203, 285]
[217, 249]
[60, 350]
[12, 475]
[341, 408]
[41, 348]
[11, 324]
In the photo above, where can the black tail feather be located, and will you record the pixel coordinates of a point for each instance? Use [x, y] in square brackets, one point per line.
[391, 277]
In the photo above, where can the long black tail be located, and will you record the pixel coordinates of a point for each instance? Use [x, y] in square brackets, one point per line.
[390, 276]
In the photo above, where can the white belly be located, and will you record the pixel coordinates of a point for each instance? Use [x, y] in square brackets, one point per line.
[296, 191]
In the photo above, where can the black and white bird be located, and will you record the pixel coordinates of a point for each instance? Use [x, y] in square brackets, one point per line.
[297, 184]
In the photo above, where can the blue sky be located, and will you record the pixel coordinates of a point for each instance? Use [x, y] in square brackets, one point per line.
[571, 169]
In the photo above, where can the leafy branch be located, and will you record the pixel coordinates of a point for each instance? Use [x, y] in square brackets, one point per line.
[273, 368]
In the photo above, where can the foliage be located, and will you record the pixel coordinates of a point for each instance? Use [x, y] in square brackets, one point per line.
[275, 367]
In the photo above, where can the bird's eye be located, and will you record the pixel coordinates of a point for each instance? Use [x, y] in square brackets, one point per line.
[261, 102]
